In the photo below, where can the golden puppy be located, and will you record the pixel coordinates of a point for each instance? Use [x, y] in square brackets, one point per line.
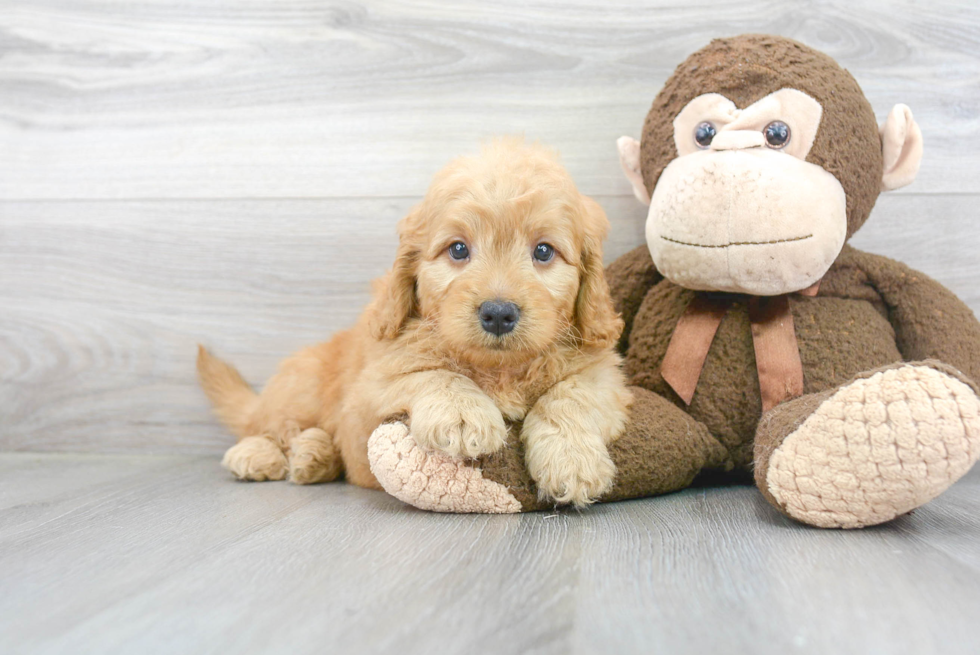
[496, 311]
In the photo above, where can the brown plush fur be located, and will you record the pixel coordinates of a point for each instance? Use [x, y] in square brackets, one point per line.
[839, 333]
[419, 349]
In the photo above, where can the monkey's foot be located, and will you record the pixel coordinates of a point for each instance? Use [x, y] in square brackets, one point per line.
[874, 449]
[432, 480]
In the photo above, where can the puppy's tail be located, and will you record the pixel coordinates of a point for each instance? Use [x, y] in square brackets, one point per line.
[234, 401]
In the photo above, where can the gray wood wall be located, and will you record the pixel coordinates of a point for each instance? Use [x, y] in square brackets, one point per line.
[230, 172]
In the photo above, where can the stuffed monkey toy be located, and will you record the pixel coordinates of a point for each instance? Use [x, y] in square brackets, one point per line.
[758, 343]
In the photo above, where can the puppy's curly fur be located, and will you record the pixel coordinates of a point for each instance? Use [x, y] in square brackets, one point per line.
[421, 351]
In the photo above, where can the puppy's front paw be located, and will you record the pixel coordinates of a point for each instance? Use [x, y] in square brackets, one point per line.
[460, 423]
[568, 468]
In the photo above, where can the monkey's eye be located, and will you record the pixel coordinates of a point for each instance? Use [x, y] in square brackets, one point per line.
[777, 134]
[703, 134]
[544, 252]
[458, 251]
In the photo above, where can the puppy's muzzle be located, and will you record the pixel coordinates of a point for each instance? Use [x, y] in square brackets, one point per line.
[499, 317]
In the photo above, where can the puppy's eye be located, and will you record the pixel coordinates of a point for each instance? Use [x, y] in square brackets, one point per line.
[458, 251]
[704, 133]
[544, 252]
[777, 134]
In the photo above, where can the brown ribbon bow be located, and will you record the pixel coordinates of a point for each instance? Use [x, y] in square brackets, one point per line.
[777, 356]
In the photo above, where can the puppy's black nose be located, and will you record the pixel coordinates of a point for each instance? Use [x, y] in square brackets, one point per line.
[499, 317]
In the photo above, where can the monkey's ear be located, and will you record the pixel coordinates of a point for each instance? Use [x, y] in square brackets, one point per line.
[629, 159]
[901, 147]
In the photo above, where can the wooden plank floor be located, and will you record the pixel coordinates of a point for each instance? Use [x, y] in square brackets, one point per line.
[167, 554]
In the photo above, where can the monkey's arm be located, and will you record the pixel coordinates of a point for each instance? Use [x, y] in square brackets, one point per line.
[930, 321]
[629, 279]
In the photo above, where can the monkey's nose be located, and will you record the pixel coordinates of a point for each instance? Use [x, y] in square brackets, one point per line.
[737, 140]
[498, 317]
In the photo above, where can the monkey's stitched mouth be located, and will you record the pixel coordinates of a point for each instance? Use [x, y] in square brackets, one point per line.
[737, 243]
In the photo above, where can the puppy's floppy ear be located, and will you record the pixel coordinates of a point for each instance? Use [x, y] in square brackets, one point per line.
[595, 316]
[394, 297]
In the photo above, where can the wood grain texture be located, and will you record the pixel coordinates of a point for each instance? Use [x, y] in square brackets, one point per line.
[121, 554]
[306, 98]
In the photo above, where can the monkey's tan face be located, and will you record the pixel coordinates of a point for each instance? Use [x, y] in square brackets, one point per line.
[740, 210]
